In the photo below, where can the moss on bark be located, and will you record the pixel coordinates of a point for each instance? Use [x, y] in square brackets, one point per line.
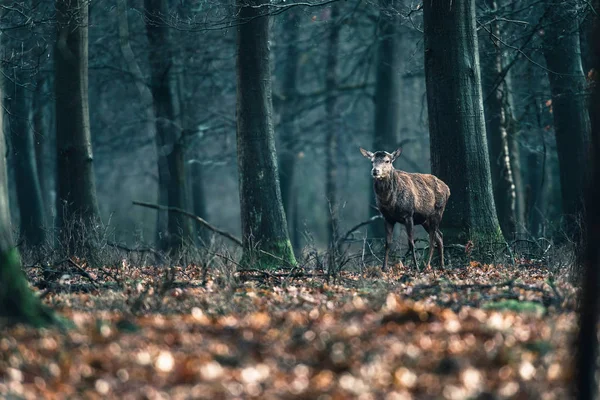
[18, 304]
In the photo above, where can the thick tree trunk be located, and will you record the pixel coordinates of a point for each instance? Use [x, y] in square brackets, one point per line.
[571, 120]
[264, 228]
[29, 194]
[331, 163]
[287, 152]
[495, 96]
[18, 304]
[76, 195]
[168, 133]
[587, 340]
[387, 95]
[198, 198]
[457, 128]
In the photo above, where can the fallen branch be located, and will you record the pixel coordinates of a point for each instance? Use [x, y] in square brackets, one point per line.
[192, 216]
[358, 226]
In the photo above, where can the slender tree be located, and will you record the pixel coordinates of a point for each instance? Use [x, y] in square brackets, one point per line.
[288, 131]
[459, 153]
[387, 91]
[571, 120]
[332, 145]
[29, 194]
[496, 118]
[169, 138]
[76, 194]
[264, 228]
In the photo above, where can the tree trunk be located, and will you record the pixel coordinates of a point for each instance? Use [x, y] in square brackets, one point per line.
[76, 195]
[571, 120]
[168, 133]
[457, 128]
[264, 228]
[41, 138]
[514, 151]
[587, 340]
[287, 152]
[332, 127]
[18, 304]
[387, 96]
[495, 96]
[198, 198]
[29, 194]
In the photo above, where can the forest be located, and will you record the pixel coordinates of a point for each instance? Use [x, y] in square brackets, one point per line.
[312, 199]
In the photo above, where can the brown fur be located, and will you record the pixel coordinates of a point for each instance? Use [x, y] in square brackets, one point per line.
[409, 199]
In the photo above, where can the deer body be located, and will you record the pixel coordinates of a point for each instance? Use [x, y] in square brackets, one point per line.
[409, 199]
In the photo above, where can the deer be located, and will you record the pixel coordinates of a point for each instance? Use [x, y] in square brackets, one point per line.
[409, 199]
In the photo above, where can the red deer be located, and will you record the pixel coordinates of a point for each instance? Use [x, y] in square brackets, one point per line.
[409, 199]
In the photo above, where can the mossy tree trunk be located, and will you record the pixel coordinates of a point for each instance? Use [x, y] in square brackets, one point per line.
[387, 94]
[569, 109]
[18, 304]
[459, 153]
[265, 236]
[77, 203]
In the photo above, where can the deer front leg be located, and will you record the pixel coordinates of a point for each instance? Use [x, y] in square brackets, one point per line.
[439, 238]
[389, 234]
[409, 224]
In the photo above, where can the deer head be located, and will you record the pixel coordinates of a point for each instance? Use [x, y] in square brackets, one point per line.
[382, 162]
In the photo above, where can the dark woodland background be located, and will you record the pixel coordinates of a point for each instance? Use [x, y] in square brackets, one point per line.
[344, 75]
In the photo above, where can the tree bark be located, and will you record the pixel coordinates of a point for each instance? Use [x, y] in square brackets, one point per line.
[457, 128]
[514, 151]
[29, 194]
[587, 340]
[18, 304]
[571, 120]
[496, 120]
[76, 194]
[387, 95]
[264, 228]
[287, 152]
[331, 139]
[168, 133]
[41, 137]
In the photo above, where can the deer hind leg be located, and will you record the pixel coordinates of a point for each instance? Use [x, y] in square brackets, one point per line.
[432, 240]
[389, 234]
[411, 240]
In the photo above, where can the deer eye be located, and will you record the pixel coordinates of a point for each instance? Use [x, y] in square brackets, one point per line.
[387, 161]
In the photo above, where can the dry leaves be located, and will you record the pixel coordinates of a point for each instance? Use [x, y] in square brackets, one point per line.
[404, 336]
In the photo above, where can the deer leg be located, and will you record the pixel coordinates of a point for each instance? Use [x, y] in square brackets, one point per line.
[432, 241]
[389, 234]
[440, 242]
[409, 224]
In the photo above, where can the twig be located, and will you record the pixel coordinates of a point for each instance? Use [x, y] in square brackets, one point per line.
[192, 216]
[360, 225]
[83, 272]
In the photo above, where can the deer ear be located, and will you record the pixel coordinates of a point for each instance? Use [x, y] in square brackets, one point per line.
[366, 153]
[396, 154]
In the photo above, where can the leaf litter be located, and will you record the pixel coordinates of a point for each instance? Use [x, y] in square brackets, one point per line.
[481, 332]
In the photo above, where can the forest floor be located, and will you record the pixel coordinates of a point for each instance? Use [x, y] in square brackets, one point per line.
[481, 332]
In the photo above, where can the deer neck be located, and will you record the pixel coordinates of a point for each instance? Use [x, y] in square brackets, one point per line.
[384, 188]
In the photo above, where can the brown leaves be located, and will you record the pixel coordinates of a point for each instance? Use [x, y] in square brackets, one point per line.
[403, 336]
